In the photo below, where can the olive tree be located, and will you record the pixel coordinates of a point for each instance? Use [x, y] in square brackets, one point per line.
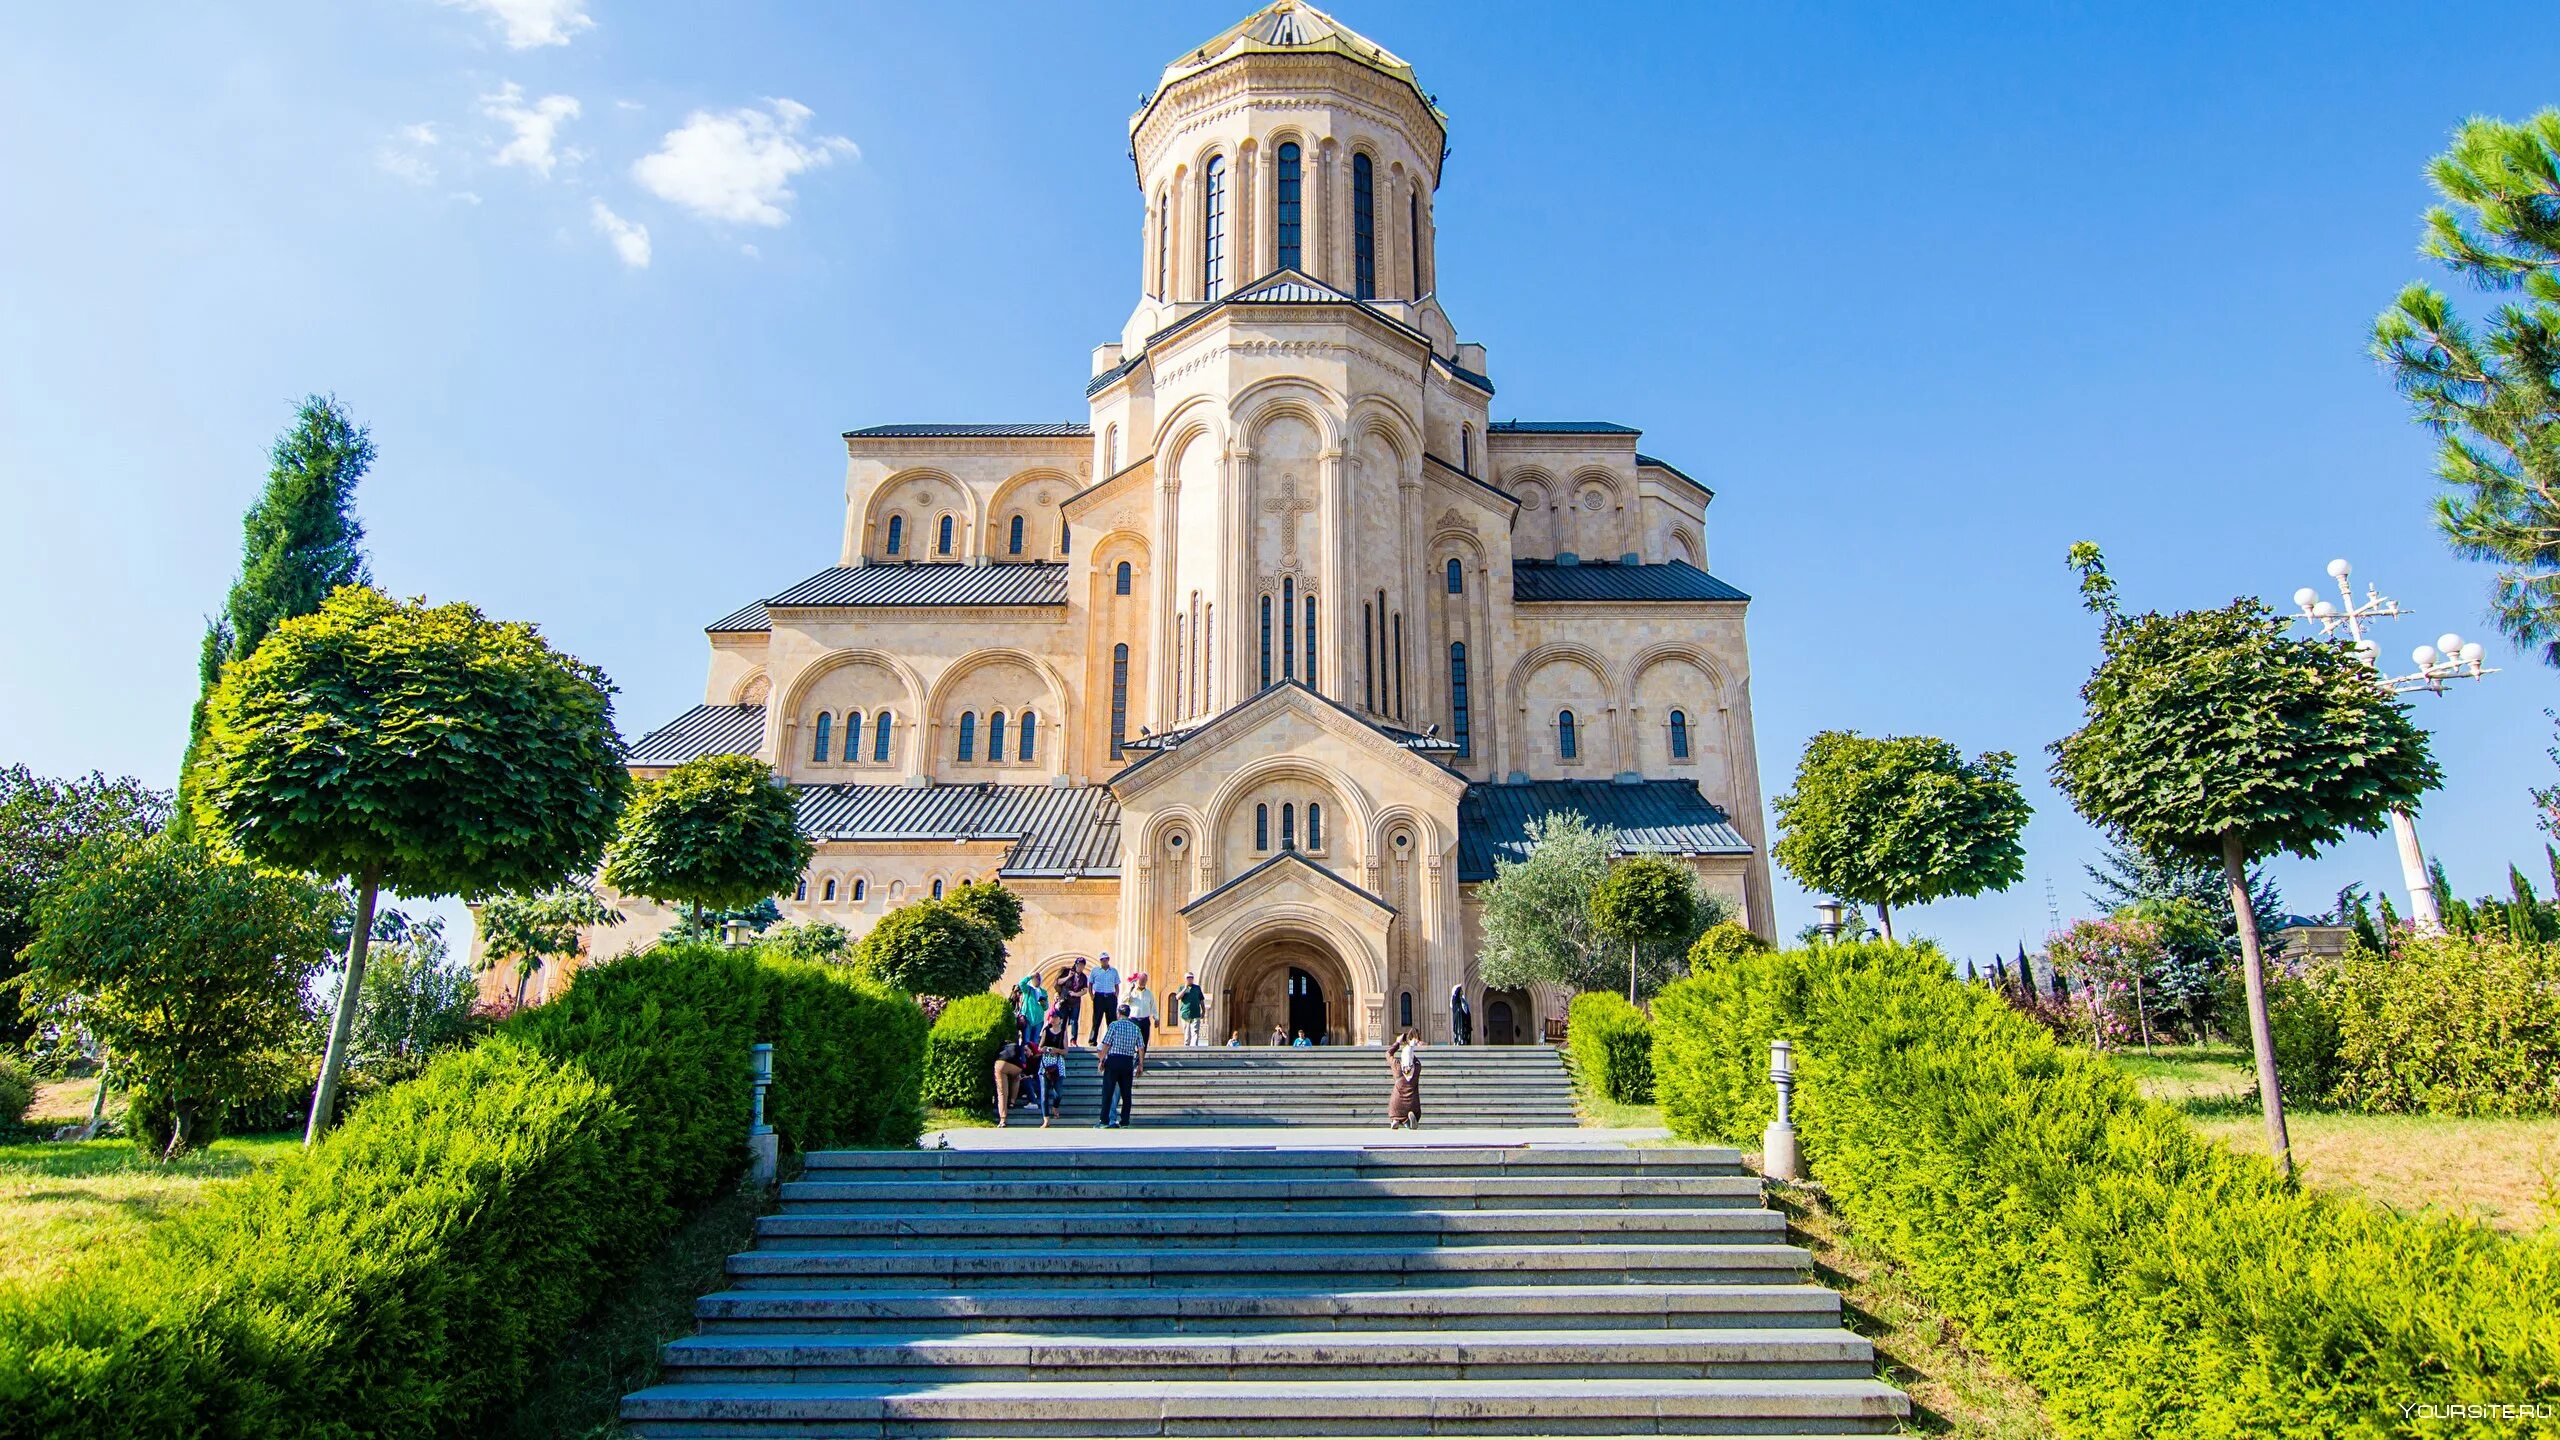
[532, 929]
[716, 833]
[1900, 820]
[2214, 735]
[1645, 898]
[424, 749]
[1540, 924]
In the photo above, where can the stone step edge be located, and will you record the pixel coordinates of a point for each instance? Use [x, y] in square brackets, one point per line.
[1527, 1346]
[1206, 1304]
[1085, 1402]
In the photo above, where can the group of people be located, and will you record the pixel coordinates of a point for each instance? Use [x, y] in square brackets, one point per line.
[1031, 1068]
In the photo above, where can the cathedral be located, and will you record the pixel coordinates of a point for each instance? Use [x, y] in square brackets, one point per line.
[1258, 669]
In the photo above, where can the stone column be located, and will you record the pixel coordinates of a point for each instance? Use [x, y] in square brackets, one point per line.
[1337, 604]
[1160, 622]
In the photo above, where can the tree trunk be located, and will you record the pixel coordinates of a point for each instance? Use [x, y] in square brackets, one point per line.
[333, 1064]
[524, 979]
[1884, 920]
[1631, 972]
[2262, 1041]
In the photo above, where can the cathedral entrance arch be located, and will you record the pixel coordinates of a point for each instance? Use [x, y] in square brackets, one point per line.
[1509, 1017]
[1288, 982]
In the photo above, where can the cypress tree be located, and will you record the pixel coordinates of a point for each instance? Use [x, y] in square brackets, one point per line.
[298, 543]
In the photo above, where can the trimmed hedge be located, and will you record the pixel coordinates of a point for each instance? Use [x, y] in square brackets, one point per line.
[2149, 1282]
[960, 1054]
[17, 1089]
[1609, 1044]
[402, 1278]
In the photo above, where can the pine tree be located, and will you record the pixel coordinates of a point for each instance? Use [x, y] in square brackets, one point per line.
[298, 543]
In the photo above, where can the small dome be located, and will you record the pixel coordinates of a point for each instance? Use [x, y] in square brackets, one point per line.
[1287, 26]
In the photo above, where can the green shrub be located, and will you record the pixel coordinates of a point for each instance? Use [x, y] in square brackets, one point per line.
[17, 1089]
[1609, 1044]
[2305, 1032]
[401, 1278]
[2447, 1025]
[960, 1055]
[2150, 1282]
[1725, 940]
[933, 947]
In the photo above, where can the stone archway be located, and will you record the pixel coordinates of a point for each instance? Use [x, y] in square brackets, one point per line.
[1289, 980]
[1508, 1017]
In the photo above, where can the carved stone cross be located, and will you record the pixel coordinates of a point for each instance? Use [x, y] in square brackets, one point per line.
[1289, 505]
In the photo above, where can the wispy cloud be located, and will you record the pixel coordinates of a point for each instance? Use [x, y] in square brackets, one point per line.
[531, 24]
[409, 154]
[736, 166]
[630, 238]
[534, 143]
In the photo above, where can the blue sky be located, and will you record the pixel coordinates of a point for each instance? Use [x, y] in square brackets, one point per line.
[1925, 293]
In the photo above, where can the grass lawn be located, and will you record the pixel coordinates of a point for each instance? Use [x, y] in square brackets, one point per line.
[62, 1200]
[2503, 1172]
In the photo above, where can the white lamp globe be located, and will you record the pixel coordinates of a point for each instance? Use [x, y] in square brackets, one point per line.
[2423, 656]
[2449, 643]
[2323, 610]
[2305, 598]
[2339, 568]
[2474, 652]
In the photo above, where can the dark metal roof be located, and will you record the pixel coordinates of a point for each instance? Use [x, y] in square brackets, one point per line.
[1033, 582]
[1114, 373]
[1651, 817]
[1676, 471]
[929, 432]
[1289, 287]
[1165, 742]
[746, 619]
[702, 730]
[1462, 372]
[1282, 858]
[1561, 427]
[1058, 831]
[1533, 581]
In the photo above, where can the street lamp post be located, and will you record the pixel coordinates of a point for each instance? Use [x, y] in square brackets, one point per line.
[2450, 658]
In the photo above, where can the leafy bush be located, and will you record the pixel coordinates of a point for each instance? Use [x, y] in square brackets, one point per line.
[1609, 1044]
[17, 1090]
[1722, 941]
[2446, 1025]
[932, 947]
[960, 1054]
[2148, 1281]
[401, 1278]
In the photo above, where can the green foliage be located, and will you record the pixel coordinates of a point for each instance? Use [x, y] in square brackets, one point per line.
[1643, 901]
[429, 748]
[298, 543]
[1609, 1046]
[928, 947]
[2148, 1282]
[1901, 820]
[991, 905]
[960, 1054]
[718, 832]
[533, 929]
[2443, 1025]
[1537, 911]
[402, 1278]
[815, 940]
[1725, 940]
[2125, 875]
[43, 823]
[416, 1001]
[184, 963]
[2494, 399]
[17, 1089]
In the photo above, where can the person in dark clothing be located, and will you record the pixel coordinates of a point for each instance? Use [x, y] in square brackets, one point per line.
[1462, 1021]
[1404, 1062]
[1122, 1060]
[1104, 987]
[1071, 991]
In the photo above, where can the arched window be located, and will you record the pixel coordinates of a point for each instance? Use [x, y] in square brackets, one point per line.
[1286, 185]
[1013, 542]
[818, 736]
[1288, 637]
[1311, 639]
[852, 750]
[1120, 579]
[937, 887]
[1164, 245]
[880, 739]
[1458, 708]
[1364, 230]
[830, 892]
[1467, 449]
[995, 737]
[1368, 658]
[1567, 747]
[1399, 670]
[1679, 735]
[1213, 228]
[1315, 826]
[942, 543]
[1110, 450]
[859, 889]
[968, 734]
[1028, 748]
[1457, 577]
[801, 890]
[897, 533]
[1261, 827]
[1119, 697]
[1266, 640]
[1288, 827]
[1413, 235]
[1404, 1010]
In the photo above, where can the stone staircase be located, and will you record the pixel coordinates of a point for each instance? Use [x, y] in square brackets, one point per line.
[1531, 1290]
[1344, 1085]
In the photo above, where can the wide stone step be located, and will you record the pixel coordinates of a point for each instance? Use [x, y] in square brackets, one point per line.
[1728, 1353]
[1384, 1158]
[1272, 1408]
[1276, 1196]
[1092, 1229]
[1235, 1311]
[1277, 1267]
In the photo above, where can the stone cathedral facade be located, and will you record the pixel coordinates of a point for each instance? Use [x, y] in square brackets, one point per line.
[1256, 670]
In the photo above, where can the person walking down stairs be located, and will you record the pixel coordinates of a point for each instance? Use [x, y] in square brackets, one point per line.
[1054, 1037]
[1404, 1060]
[1123, 1059]
[1191, 1007]
[1139, 1004]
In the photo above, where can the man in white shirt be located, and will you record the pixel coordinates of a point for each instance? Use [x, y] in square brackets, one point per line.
[1106, 996]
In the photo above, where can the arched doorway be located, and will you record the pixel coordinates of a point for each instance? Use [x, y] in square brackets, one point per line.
[1509, 1018]
[1306, 1005]
[1287, 984]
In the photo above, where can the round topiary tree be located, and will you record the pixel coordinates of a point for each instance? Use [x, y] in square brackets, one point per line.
[1722, 943]
[991, 905]
[2213, 734]
[1645, 898]
[717, 833]
[931, 947]
[1900, 820]
[427, 749]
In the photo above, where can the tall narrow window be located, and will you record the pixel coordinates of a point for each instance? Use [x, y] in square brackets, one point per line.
[1063, 546]
[852, 750]
[1413, 236]
[818, 736]
[1288, 640]
[1285, 184]
[1261, 827]
[1399, 670]
[1120, 579]
[1028, 748]
[1119, 700]
[1368, 660]
[1467, 449]
[995, 737]
[1209, 654]
[943, 543]
[860, 889]
[1164, 246]
[937, 887]
[968, 734]
[1013, 542]
[1364, 231]
[1315, 826]
[1567, 746]
[1404, 1010]
[897, 533]
[1266, 639]
[1457, 577]
[1311, 639]
[1458, 716]
[1288, 827]
[880, 739]
[1213, 228]
[1679, 735]
[830, 892]
[801, 890]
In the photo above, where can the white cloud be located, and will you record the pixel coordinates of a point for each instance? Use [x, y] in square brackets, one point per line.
[630, 238]
[536, 126]
[529, 24]
[406, 155]
[736, 167]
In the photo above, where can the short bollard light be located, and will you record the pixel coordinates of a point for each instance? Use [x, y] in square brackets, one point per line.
[764, 1150]
[1779, 1159]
